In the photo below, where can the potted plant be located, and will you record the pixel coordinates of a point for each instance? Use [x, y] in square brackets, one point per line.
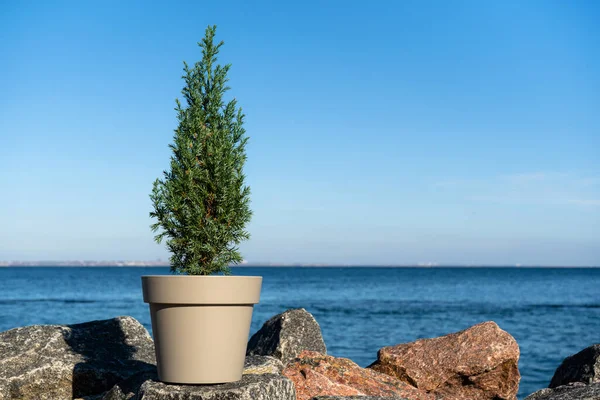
[200, 315]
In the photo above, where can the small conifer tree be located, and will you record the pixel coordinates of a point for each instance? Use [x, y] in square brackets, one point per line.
[202, 204]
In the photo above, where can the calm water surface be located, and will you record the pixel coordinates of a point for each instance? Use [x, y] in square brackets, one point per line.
[551, 312]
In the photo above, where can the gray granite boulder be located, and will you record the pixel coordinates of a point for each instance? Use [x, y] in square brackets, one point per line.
[286, 335]
[251, 387]
[575, 391]
[57, 362]
[581, 367]
[262, 365]
[129, 388]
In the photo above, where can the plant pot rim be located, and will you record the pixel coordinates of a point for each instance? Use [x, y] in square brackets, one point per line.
[201, 290]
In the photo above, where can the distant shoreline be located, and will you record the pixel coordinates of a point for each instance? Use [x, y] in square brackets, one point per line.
[21, 264]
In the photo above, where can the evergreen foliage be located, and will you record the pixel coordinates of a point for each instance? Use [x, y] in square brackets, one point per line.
[202, 204]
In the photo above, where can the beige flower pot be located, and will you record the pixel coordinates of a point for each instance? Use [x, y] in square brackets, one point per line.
[200, 325]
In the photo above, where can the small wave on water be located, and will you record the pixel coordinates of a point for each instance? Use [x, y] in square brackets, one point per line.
[64, 301]
[566, 306]
[400, 308]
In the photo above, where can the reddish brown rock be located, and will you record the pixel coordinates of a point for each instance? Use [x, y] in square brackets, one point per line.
[479, 363]
[316, 374]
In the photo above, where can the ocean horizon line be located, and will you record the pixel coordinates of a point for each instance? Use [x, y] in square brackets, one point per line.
[157, 264]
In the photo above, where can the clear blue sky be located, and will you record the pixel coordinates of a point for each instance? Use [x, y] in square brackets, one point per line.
[387, 132]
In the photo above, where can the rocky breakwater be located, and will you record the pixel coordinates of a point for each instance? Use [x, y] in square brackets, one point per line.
[577, 377]
[478, 363]
[286, 360]
[113, 360]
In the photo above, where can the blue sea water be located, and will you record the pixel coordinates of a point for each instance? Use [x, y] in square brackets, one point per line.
[552, 313]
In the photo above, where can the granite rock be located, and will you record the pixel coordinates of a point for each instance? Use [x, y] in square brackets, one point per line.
[479, 363]
[129, 388]
[581, 367]
[286, 335]
[315, 374]
[573, 391]
[251, 387]
[57, 362]
[262, 365]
